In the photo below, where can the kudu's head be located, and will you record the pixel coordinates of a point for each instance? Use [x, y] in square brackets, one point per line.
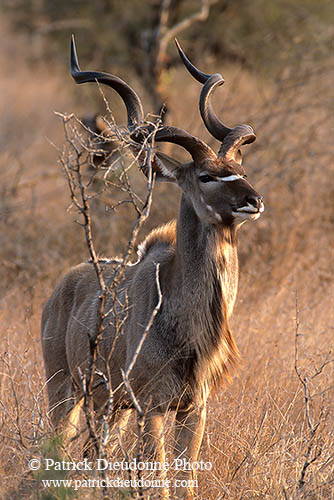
[215, 184]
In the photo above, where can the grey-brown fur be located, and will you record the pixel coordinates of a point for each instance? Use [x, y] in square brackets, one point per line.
[189, 349]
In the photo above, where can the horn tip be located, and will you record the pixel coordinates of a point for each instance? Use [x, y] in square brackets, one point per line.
[179, 48]
[74, 63]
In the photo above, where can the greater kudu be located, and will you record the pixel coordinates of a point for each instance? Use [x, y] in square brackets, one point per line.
[189, 348]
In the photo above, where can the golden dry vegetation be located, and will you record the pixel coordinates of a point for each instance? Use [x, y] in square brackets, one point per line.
[258, 438]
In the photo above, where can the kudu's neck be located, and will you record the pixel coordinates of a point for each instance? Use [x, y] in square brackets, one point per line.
[203, 251]
[206, 286]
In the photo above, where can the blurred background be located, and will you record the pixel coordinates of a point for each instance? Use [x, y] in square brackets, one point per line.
[277, 62]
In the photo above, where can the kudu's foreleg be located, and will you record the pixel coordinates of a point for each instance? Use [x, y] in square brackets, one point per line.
[189, 429]
[154, 447]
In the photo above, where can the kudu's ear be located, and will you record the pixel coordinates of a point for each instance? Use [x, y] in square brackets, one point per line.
[97, 125]
[102, 126]
[164, 167]
[167, 167]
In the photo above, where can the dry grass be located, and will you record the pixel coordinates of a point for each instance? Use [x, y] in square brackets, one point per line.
[257, 435]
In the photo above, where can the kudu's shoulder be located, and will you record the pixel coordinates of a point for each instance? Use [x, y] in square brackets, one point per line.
[160, 237]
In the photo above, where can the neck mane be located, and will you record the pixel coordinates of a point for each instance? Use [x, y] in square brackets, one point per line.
[199, 285]
[207, 277]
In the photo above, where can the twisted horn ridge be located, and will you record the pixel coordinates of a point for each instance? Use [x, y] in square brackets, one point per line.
[198, 150]
[130, 98]
[214, 125]
[239, 135]
[231, 138]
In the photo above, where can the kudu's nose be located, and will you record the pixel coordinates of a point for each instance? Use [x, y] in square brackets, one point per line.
[256, 201]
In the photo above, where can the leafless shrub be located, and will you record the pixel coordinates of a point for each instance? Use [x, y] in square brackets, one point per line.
[75, 158]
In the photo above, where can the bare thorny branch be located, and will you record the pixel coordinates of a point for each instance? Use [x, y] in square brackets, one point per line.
[73, 161]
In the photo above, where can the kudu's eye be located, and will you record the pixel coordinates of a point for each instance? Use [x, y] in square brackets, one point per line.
[206, 178]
